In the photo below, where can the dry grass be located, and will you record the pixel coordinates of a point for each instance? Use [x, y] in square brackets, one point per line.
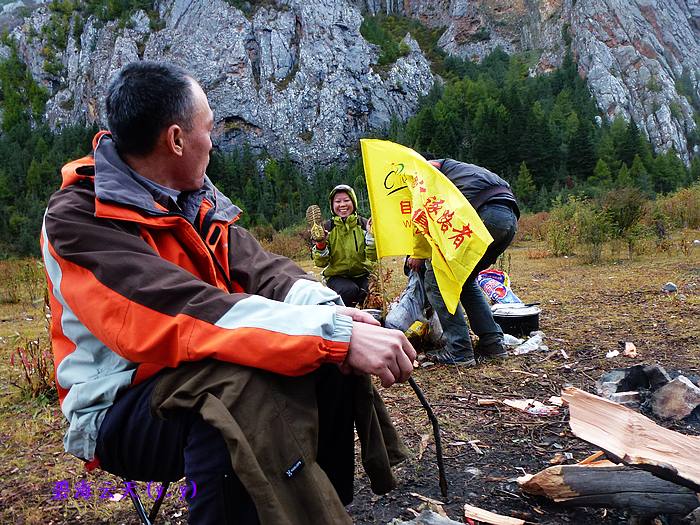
[586, 311]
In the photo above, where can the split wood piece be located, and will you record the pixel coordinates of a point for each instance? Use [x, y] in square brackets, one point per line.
[592, 458]
[634, 439]
[604, 484]
[485, 516]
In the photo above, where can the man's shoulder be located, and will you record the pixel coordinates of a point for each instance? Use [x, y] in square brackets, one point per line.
[74, 199]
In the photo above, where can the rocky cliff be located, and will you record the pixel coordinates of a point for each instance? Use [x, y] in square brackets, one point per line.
[632, 52]
[296, 76]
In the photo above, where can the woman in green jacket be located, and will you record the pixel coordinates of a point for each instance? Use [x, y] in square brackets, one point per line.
[346, 252]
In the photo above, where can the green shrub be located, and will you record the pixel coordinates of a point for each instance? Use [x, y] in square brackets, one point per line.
[592, 230]
[561, 227]
[624, 208]
[578, 223]
[682, 208]
[388, 32]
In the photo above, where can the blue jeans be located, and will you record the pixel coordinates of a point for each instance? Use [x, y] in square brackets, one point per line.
[502, 224]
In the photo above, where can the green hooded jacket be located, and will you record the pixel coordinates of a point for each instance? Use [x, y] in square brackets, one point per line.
[349, 249]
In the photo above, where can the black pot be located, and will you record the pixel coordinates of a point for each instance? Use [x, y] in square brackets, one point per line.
[517, 319]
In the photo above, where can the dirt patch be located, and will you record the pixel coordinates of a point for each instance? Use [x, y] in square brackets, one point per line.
[586, 311]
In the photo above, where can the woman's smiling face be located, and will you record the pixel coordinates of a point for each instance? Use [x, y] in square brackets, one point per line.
[342, 205]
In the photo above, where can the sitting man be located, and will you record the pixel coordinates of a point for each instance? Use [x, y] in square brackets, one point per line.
[493, 200]
[161, 306]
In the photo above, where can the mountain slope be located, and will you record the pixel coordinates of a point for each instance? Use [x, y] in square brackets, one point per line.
[296, 76]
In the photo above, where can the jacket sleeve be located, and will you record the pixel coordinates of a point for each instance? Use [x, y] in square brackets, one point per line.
[263, 273]
[113, 286]
[321, 257]
[370, 246]
[421, 247]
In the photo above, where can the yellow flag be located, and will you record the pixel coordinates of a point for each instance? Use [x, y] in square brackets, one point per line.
[410, 197]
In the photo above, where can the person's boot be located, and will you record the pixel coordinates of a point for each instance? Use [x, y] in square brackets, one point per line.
[315, 222]
[492, 351]
[445, 357]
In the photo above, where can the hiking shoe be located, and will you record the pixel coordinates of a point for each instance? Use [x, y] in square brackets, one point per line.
[492, 351]
[445, 357]
[315, 222]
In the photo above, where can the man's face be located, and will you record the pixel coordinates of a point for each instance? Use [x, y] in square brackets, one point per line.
[197, 143]
[342, 204]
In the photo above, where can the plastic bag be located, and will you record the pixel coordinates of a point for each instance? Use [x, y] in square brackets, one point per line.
[495, 284]
[410, 307]
[434, 334]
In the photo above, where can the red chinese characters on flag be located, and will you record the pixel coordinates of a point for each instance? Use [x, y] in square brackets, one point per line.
[420, 219]
[405, 207]
[433, 205]
[445, 220]
[461, 233]
[419, 183]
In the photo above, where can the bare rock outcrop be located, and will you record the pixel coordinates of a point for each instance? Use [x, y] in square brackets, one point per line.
[632, 52]
[297, 77]
[294, 78]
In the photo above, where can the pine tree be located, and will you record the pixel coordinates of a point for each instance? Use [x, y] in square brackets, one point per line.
[695, 170]
[602, 177]
[624, 179]
[524, 187]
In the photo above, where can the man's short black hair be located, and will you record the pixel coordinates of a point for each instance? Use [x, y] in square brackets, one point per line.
[144, 99]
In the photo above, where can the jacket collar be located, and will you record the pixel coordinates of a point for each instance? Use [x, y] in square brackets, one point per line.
[117, 183]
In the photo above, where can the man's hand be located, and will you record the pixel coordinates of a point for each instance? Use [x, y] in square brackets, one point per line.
[375, 350]
[358, 315]
[414, 264]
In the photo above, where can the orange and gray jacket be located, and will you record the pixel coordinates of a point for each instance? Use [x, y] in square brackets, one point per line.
[135, 287]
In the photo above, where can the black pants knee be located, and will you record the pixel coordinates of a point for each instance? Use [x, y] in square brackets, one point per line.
[352, 290]
[136, 445]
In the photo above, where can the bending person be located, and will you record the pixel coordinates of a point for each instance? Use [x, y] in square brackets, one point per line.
[347, 250]
[494, 201]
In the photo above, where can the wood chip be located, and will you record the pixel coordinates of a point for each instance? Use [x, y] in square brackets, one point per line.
[426, 498]
[486, 402]
[523, 372]
[475, 447]
[424, 440]
[485, 516]
[634, 438]
[630, 350]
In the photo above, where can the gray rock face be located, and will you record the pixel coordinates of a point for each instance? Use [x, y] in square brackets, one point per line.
[297, 78]
[631, 51]
[632, 54]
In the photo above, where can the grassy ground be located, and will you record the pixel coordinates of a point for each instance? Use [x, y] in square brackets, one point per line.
[586, 311]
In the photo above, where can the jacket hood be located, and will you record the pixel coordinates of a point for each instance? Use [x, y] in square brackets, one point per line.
[347, 189]
[115, 183]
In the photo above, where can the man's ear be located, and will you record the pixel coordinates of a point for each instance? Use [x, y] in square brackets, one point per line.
[175, 139]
